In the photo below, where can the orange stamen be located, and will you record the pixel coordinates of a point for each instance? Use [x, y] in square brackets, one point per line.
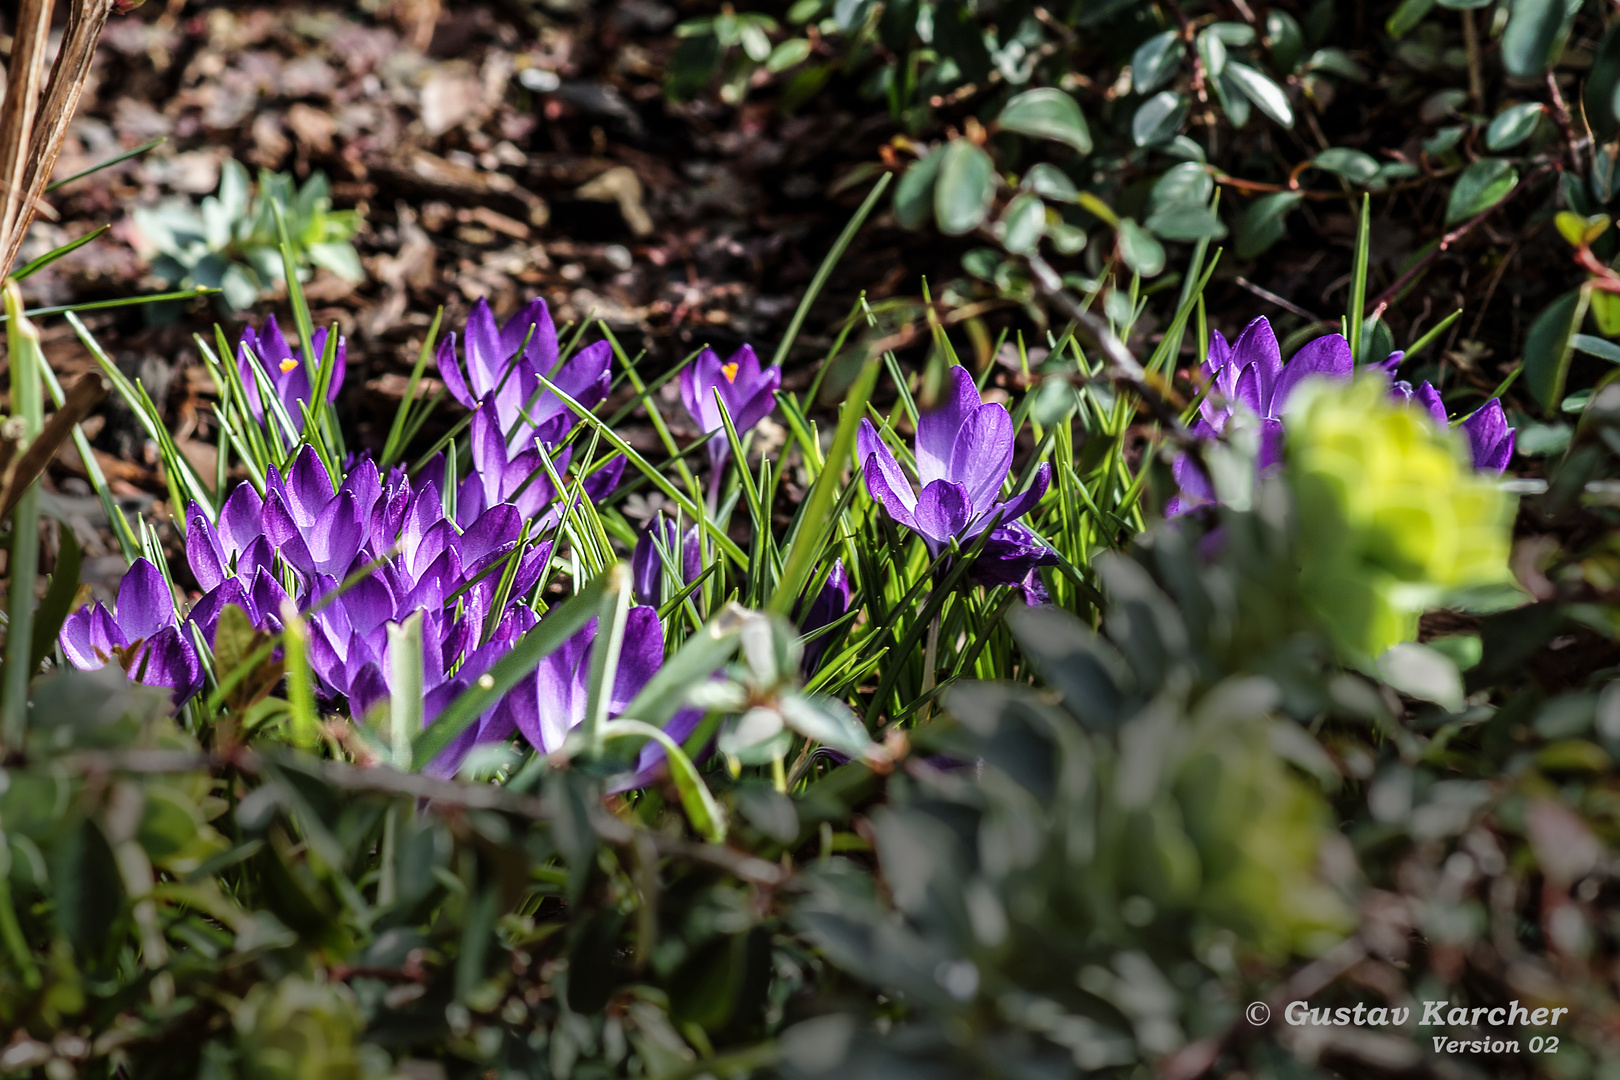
[287, 365]
[730, 372]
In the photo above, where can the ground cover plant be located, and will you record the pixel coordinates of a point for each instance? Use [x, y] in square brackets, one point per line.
[1177, 639]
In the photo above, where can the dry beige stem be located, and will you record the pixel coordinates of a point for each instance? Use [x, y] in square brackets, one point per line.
[33, 28]
[31, 131]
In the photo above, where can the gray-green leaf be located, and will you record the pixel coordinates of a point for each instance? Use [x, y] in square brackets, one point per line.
[1139, 248]
[1513, 125]
[1047, 113]
[1353, 165]
[1481, 186]
[1023, 224]
[1156, 60]
[966, 185]
[1262, 223]
[1158, 118]
[1267, 96]
[1534, 34]
[913, 196]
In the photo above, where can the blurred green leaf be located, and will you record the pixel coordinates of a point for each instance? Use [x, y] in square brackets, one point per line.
[1156, 60]
[1047, 113]
[965, 188]
[1262, 223]
[1481, 186]
[1513, 125]
[1548, 345]
[1158, 118]
[1141, 252]
[1267, 96]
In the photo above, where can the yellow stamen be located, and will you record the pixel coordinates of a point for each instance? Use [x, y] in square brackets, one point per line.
[730, 372]
[287, 365]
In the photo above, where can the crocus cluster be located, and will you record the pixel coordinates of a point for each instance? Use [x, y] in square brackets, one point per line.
[356, 552]
[964, 451]
[1249, 376]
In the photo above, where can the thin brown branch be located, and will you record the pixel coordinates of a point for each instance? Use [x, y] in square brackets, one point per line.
[1384, 299]
[1119, 366]
[85, 395]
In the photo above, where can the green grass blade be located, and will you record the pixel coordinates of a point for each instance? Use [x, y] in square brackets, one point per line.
[824, 271]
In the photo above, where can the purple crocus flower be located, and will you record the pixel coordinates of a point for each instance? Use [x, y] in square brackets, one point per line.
[831, 603]
[1490, 439]
[286, 369]
[647, 562]
[549, 703]
[141, 634]
[512, 473]
[1249, 374]
[749, 395]
[500, 368]
[1012, 555]
[964, 452]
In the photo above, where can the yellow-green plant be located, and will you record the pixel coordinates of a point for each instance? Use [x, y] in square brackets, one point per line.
[1393, 518]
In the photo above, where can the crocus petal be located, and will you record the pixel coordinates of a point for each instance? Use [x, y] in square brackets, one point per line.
[539, 345]
[284, 533]
[1428, 397]
[1220, 353]
[1489, 437]
[308, 487]
[205, 612]
[938, 427]
[1327, 356]
[257, 554]
[490, 537]
[241, 520]
[760, 404]
[1256, 348]
[368, 605]
[166, 659]
[830, 605]
[1010, 555]
[640, 655]
[1196, 489]
[450, 372]
[1020, 504]
[651, 762]
[268, 597]
[891, 480]
[203, 551]
[898, 503]
[600, 484]
[1271, 444]
[943, 511]
[145, 604]
[365, 485]
[84, 648]
[698, 382]
[486, 358]
[982, 456]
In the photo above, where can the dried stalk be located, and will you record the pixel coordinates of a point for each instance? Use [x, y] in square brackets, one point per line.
[31, 132]
[23, 84]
